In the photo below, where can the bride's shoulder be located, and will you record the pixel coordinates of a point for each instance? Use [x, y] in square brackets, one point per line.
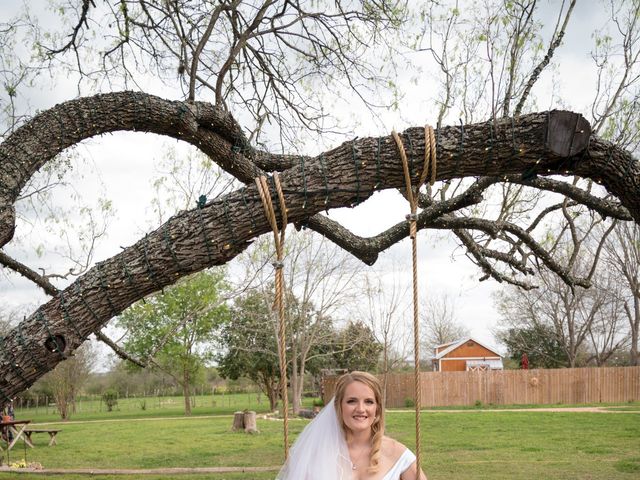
[392, 449]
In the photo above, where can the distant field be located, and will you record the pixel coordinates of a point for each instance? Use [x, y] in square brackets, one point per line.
[470, 445]
[94, 408]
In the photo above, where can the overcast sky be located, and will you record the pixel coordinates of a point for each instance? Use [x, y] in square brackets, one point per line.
[121, 166]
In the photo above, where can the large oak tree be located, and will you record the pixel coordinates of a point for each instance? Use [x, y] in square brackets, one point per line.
[262, 61]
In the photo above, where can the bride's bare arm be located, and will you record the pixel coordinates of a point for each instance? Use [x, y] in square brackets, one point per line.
[411, 473]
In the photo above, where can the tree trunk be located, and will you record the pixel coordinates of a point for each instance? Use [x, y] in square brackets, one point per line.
[634, 359]
[271, 390]
[63, 408]
[295, 401]
[547, 143]
[385, 370]
[572, 359]
[238, 421]
[186, 391]
[635, 327]
[273, 399]
[299, 390]
[272, 394]
[250, 425]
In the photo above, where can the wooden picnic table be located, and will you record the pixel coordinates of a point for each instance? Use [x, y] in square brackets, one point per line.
[17, 429]
[52, 434]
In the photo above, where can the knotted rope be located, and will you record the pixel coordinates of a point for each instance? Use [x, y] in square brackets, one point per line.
[278, 304]
[412, 218]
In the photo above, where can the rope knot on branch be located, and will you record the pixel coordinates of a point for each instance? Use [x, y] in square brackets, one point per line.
[429, 161]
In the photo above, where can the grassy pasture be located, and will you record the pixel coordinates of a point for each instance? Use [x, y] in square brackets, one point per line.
[470, 445]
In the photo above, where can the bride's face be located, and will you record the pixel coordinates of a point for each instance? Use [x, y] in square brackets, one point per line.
[359, 407]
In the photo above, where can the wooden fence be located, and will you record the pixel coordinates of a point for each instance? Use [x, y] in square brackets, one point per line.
[510, 387]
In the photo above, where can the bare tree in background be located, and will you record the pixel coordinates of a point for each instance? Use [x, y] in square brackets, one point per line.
[608, 336]
[385, 312]
[439, 322]
[67, 379]
[587, 323]
[622, 254]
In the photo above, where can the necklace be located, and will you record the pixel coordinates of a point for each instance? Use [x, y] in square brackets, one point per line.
[359, 457]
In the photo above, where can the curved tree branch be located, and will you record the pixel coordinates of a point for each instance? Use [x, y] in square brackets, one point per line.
[481, 254]
[117, 350]
[494, 228]
[367, 249]
[604, 207]
[28, 273]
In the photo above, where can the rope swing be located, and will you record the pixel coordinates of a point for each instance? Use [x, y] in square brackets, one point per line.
[278, 304]
[412, 196]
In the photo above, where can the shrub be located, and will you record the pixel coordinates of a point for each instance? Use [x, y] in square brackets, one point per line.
[409, 402]
[317, 402]
[110, 399]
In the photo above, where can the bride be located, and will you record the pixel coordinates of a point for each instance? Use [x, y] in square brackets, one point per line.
[346, 440]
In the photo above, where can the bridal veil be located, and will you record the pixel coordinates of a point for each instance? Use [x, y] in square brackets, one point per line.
[320, 452]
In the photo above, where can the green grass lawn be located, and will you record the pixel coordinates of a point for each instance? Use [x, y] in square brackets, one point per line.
[525, 445]
[470, 445]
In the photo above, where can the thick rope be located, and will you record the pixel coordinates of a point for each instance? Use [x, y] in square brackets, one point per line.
[412, 218]
[278, 304]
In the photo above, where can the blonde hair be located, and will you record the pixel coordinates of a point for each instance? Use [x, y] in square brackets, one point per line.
[377, 428]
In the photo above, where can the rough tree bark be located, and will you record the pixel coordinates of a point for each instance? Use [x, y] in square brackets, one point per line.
[541, 144]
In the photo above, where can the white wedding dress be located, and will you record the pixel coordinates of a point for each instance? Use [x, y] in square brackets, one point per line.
[321, 453]
[405, 461]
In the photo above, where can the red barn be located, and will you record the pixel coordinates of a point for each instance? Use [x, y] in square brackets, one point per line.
[465, 355]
